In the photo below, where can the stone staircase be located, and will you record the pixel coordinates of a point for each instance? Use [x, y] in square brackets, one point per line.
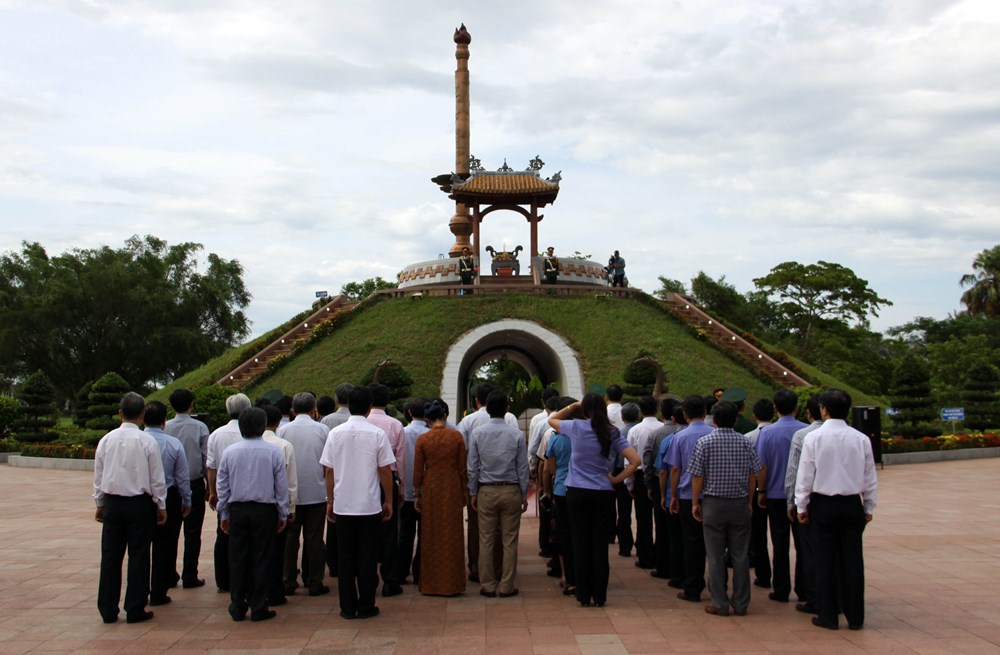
[254, 366]
[731, 342]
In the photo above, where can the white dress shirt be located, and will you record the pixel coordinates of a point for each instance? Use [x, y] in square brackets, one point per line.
[836, 460]
[615, 415]
[128, 463]
[221, 439]
[288, 452]
[355, 451]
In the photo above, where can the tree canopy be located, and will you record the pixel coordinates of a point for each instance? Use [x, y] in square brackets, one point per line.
[983, 296]
[361, 290]
[811, 292]
[148, 311]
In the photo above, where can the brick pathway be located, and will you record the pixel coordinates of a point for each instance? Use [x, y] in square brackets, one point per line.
[933, 568]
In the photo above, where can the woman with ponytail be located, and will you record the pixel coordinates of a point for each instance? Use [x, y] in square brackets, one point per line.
[590, 496]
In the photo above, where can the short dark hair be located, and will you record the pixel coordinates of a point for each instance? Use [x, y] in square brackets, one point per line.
[132, 406]
[724, 414]
[273, 415]
[252, 422]
[630, 412]
[763, 409]
[667, 406]
[359, 401]
[647, 405]
[440, 401]
[709, 404]
[678, 415]
[433, 410]
[786, 401]
[497, 404]
[155, 414]
[694, 406]
[303, 403]
[812, 407]
[614, 393]
[285, 405]
[414, 407]
[343, 393]
[325, 405]
[483, 392]
[549, 392]
[837, 402]
[380, 394]
[181, 400]
[552, 403]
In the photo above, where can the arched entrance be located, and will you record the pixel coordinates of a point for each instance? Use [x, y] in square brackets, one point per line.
[538, 350]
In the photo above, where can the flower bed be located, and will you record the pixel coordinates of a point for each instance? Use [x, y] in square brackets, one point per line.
[63, 451]
[946, 442]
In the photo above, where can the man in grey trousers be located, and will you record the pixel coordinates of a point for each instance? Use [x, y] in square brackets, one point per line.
[724, 467]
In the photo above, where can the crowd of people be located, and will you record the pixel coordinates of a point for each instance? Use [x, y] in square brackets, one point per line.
[703, 483]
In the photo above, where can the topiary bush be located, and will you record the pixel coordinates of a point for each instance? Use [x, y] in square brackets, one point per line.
[105, 397]
[81, 407]
[211, 400]
[979, 397]
[393, 376]
[38, 409]
[910, 395]
[639, 378]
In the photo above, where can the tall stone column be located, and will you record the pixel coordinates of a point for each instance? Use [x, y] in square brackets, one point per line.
[461, 222]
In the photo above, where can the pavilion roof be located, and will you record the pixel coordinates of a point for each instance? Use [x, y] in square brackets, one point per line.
[500, 187]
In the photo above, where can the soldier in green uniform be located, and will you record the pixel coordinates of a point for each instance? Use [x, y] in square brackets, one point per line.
[550, 267]
[738, 397]
[466, 268]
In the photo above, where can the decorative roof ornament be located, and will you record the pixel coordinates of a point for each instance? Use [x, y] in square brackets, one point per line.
[462, 36]
[505, 168]
[535, 164]
[475, 164]
[555, 178]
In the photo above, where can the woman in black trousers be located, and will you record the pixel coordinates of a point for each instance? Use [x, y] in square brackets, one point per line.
[590, 496]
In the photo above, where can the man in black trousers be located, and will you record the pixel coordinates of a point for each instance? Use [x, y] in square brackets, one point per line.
[130, 493]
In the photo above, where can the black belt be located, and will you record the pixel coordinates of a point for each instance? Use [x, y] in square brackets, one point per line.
[498, 484]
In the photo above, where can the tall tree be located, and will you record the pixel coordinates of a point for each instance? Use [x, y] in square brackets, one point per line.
[980, 399]
[38, 409]
[911, 399]
[361, 290]
[148, 310]
[812, 292]
[983, 296]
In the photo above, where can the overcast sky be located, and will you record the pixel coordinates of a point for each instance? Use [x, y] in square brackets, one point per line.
[300, 137]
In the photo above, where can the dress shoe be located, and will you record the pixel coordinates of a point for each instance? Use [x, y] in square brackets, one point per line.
[110, 619]
[776, 598]
[553, 573]
[276, 600]
[740, 612]
[348, 615]
[855, 626]
[192, 584]
[290, 589]
[319, 591]
[822, 624]
[691, 599]
[163, 600]
[715, 611]
[266, 615]
[656, 574]
[622, 553]
[805, 608]
[367, 614]
[474, 577]
[391, 590]
[487, 594]
[676, 584]
[757, 582]
[569, 590]
[508, 594]
[643, 565]
[138, 617]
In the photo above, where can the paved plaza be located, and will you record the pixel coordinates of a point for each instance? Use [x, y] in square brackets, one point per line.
[933, 586]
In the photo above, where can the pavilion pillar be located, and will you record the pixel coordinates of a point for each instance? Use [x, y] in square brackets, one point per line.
[534, 230]
[476, 220]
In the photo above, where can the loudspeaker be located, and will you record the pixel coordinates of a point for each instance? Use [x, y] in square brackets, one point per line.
[869, 421]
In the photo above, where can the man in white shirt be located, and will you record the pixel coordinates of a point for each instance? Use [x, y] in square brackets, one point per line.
[391, 585]
[307, 437]
[218, 441]
[835, 493]
[638, 437]
[356, 459]
[339, 417]
[131, 496]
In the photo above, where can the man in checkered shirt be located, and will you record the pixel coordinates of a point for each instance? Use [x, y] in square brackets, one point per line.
[724, 466]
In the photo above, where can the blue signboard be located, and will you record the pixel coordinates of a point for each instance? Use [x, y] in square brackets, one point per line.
[952, 413]
[322, 294]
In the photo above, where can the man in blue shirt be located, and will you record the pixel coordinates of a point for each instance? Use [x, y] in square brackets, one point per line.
[253, 506]
[772, 447]
[193, 435]
[678, 457]
[409, 517]
[165, 537]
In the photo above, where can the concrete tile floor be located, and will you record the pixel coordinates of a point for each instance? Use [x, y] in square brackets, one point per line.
[933, 571]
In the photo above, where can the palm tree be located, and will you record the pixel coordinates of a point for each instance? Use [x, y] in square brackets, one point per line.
[983, 297]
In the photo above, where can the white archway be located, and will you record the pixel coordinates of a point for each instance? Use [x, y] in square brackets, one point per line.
[545, 351]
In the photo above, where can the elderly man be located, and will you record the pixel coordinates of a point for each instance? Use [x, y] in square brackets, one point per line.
[498, 490]
[835, 494]
[131, 496]
[253, 507]
[218, 441]
[276, 591]
[725, 468]
[307, 437]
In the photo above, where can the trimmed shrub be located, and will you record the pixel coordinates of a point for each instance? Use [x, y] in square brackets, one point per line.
[105, 397]
[38, 409]
[979, 397]
[10, 410]
[81, 407]
[910, 395]
[639, 378]
[211, 400]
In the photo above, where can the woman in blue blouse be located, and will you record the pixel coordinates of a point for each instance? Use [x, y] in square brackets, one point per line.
[590, 496]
